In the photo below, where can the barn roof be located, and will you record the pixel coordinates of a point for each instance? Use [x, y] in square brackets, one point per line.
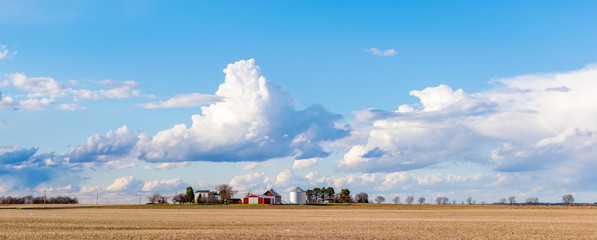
[298, 189]
[261, 196]
[272, 192]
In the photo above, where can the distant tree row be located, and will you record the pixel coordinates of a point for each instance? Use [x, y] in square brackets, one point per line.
[38, 200]
[567, 199]
[329, 194]
[321, 194]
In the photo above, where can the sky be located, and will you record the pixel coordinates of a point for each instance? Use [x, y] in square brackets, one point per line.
[392, 98]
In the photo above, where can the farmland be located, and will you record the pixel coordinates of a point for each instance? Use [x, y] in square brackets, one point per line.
[338, 221]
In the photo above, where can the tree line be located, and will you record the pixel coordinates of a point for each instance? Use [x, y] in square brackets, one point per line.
[224, 191]
[324, 194]
[29, 199]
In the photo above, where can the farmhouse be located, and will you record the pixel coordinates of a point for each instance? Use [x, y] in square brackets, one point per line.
[277, 197]
[258, 199]
[207, 196]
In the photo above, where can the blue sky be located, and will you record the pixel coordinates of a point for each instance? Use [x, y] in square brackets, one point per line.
[470, 98]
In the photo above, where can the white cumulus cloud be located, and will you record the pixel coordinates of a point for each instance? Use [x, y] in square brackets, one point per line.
[254, 121]
[305, 163]
[129, 184]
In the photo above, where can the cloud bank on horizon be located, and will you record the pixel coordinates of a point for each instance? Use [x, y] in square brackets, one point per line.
[526, 123]
[541, 122]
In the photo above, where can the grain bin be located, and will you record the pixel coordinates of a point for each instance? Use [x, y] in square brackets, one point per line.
[298, 196]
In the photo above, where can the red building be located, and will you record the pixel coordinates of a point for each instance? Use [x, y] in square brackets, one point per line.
[258, 199]
[277, 197]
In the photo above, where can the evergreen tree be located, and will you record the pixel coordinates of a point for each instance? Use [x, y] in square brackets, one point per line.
[190, 195]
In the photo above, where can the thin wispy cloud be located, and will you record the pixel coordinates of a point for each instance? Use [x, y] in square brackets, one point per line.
[382, 53]
[5, 52]
[38, 93]
[183, 101]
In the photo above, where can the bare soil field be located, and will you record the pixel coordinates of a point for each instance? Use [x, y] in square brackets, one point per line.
[354, 221]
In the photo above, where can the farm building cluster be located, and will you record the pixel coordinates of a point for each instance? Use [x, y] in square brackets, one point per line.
[297, 196]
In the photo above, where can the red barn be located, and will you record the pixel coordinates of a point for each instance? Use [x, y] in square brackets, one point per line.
[277, 197]
[258, 199]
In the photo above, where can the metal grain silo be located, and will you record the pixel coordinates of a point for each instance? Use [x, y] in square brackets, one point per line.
[298, 196]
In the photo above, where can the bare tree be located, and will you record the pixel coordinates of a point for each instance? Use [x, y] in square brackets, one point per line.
[380, 199]
[421, 200]
[568, 199]
[396, 199]
[154, 197]
[410, 199]
[503, 201]
[532, 201]
[361, 198]
[249, 193]
[442, 200]
[164, 199]
[512, 200]
[469, 200]
[180, 198]
[225, 191]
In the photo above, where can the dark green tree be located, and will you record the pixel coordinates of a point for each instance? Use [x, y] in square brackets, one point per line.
[316, 192]
[345, 196]
[190, 195]
[329, 192]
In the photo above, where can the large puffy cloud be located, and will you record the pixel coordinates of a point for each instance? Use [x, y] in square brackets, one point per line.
[255, 121]
[532, 122]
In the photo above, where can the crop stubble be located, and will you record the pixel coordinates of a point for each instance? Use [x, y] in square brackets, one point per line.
[283, 222]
